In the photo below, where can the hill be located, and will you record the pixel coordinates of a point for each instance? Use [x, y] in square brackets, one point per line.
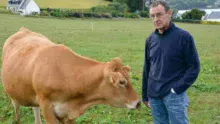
[75, 4]
[189, 4]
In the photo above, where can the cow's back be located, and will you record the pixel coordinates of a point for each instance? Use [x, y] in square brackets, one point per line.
[24, 42]
[19, 53]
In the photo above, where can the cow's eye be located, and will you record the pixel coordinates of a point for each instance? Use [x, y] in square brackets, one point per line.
[123, 82]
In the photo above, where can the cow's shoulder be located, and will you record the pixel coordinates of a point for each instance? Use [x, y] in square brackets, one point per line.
[55, 52]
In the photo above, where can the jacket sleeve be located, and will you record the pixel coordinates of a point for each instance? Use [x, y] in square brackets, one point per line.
[146, 69]
[192, 66]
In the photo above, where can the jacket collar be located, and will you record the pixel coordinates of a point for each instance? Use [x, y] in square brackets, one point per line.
[165, 31]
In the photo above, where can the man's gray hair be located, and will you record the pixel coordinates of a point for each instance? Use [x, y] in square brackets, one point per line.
[163, 3]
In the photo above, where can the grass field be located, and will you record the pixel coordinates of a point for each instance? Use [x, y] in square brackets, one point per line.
[75, 4]
[123, 38]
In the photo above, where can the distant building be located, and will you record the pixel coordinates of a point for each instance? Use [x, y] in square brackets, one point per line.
[211, 14]
[24, 7]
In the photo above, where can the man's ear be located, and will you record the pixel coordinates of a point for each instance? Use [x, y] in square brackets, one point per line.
[169, 12]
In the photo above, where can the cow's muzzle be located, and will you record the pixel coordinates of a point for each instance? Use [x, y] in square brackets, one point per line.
[134, 105]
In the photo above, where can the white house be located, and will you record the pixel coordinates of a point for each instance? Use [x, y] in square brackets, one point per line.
[24, 7]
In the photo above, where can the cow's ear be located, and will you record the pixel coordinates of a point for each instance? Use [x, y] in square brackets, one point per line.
[127, 68]
[114, 64]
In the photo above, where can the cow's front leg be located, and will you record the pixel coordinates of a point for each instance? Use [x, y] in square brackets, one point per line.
[37, 115]
[70, 122]
[67, 121]
[48, 111]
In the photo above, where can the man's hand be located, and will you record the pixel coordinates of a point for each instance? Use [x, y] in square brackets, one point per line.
[147, 104]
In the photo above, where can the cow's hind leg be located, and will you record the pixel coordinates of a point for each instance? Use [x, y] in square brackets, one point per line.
[17, 112]
[37, 115]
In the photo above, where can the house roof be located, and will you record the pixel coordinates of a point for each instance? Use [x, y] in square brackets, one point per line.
[24, 4]
[14, 3]
[214, 15]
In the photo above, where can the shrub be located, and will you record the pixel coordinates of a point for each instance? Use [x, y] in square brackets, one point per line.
[77, 15]
[114, 14]
[194, 14]
[121, 14]
[107, 15]
[5, 11]
[131, 15]
[144, 14]
[101, 9]
[119, 7]
[88, 14]
[55, 13]
[44, 13]
[117, 14]
[67, 13]
[97, 15]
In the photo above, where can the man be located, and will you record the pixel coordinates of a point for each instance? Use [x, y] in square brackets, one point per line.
[171, 66]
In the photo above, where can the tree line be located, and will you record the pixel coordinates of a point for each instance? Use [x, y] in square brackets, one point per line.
[139, 5]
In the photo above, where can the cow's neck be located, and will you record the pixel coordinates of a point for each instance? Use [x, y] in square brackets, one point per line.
[91, 94]
[80, 106]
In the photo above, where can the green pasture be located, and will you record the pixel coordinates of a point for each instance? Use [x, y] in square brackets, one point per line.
[123, 38]
[74, 4]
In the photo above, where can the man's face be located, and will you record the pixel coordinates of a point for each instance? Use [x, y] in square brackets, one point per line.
[160, 17]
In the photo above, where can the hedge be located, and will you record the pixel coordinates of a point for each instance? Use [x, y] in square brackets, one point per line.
[196, 21]
[4, 11]
[210, 22]
[187, 21]
[67, 13]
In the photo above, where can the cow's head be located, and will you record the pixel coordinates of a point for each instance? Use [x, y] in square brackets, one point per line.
[117, 88]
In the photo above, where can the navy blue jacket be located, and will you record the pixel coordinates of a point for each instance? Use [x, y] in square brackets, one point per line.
[171, 61]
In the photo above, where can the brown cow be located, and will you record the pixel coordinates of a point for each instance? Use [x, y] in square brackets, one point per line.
[38, 73]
